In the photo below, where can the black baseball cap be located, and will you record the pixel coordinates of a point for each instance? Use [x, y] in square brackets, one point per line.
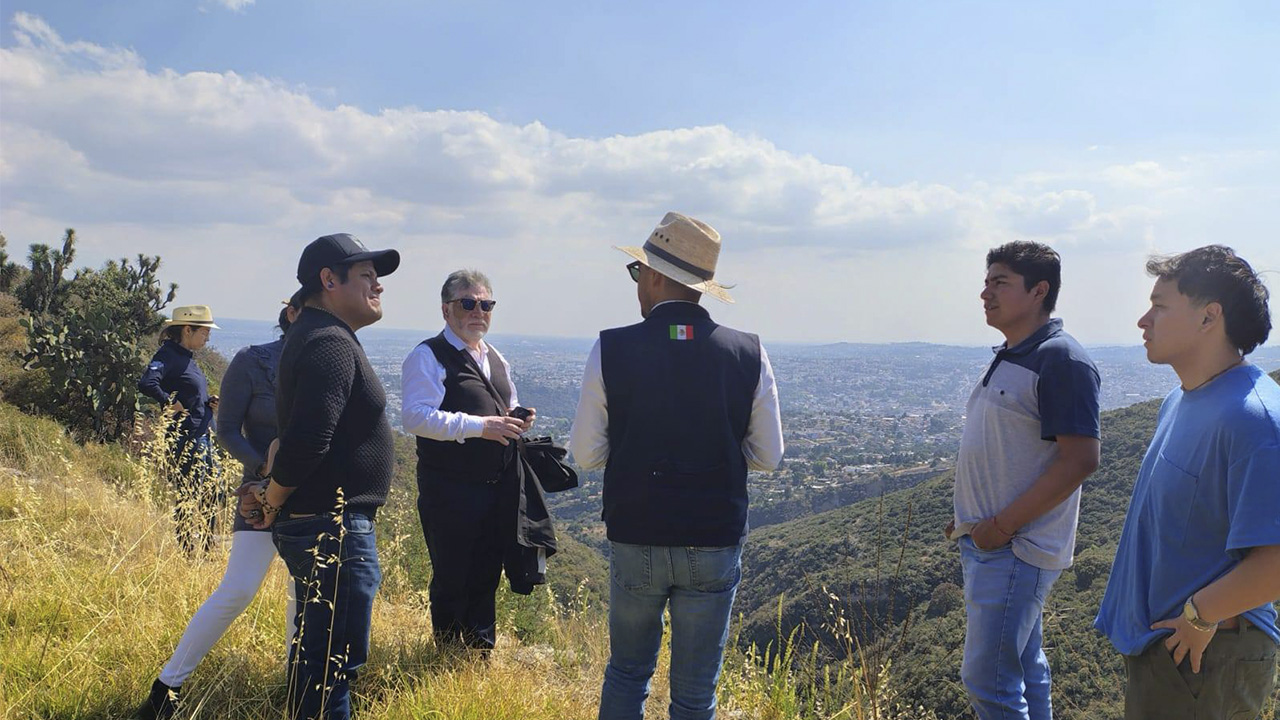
[341, 249]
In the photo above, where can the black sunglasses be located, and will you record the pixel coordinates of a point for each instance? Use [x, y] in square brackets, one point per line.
[634, 269]
[469, 304]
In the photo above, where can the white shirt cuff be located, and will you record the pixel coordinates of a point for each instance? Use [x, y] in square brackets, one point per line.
[472, 427]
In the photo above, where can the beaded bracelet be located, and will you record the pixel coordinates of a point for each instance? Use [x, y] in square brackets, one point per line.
[267, 508]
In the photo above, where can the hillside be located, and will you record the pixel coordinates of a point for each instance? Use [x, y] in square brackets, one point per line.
[94, 594]
[889, 566]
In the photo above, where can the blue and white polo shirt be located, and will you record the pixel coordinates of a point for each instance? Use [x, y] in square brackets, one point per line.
[1043, 387]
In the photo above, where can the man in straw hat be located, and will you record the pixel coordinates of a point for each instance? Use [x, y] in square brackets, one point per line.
[331, 472]
[676, 409]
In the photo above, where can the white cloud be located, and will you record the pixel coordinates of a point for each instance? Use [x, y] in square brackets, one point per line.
[43, 51]
[91, 137]
[232, 5]
[1144, 174]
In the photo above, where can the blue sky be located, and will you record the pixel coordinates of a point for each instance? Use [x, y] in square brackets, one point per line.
[861, 156]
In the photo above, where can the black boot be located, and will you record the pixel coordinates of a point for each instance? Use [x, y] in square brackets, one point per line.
[161, 705]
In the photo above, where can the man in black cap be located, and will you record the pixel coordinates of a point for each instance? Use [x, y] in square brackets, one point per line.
[331, 471]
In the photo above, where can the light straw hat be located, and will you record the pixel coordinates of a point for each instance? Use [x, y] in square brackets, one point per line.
[685, 250]
[198, 315]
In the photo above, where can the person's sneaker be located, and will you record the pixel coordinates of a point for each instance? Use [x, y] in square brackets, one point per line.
[161, 704]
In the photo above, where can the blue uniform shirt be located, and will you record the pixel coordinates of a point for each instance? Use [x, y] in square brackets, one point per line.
[173, 370]
[1208, 490]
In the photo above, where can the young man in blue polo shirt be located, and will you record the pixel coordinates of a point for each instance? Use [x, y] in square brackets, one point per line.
[1189, 600]
[1030, 439]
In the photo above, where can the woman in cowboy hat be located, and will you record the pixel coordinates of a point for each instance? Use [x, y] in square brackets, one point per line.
[174, 380]
[247, 425]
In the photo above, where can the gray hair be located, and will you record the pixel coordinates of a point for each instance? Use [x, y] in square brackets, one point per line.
[460, 280]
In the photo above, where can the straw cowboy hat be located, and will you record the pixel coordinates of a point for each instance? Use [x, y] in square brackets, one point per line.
[685, 250]
[198, 315]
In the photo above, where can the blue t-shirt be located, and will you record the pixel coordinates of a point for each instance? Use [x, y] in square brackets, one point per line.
[1208, 490]
[1043, 387]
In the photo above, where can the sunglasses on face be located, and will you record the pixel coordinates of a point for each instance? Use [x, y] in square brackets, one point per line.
[634, 269]
[469, 304]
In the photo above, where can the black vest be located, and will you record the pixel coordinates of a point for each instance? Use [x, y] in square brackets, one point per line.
[466, 390]
[678, 412]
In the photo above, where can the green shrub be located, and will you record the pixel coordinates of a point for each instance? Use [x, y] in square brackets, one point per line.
[13, 342]
[86, 337]
[92, 368]
[945, 598]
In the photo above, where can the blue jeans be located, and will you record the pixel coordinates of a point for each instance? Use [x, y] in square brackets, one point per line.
[333, 560]
[699, 583]
[1004, 669]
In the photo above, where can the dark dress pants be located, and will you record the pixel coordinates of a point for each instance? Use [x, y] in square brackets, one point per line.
[466, 524]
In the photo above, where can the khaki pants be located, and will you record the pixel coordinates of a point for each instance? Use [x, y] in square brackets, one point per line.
[1237, 674]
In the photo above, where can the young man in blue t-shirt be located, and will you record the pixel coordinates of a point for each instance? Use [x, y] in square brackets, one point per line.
[1189, 601]
[1030, 439]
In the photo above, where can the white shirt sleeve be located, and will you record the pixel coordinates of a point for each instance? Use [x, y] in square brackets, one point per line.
[422, 391]
[763, 444]
[589, 438]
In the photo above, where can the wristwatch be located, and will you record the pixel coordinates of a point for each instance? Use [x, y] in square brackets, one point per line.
[1192, 616]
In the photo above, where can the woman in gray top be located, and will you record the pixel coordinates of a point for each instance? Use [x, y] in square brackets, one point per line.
[246, 427]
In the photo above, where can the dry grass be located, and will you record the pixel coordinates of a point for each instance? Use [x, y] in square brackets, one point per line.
[95, 593]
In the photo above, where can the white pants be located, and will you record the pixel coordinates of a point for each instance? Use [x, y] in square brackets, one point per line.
[251, 556]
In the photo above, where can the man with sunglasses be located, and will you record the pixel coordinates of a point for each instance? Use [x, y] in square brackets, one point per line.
[676, 409]
[458, 398]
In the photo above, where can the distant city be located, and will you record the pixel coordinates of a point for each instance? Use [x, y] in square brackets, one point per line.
[858, 419]
[870, 381]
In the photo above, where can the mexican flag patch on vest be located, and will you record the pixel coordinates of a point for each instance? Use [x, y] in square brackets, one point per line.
[681, 332]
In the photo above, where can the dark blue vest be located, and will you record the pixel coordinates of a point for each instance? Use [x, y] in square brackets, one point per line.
[678, 412]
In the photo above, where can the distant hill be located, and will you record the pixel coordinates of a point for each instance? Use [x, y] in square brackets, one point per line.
[845, 349]
[853, 552]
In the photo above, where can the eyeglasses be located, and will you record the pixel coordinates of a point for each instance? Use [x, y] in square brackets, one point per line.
[634, 269]
[469, 304]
